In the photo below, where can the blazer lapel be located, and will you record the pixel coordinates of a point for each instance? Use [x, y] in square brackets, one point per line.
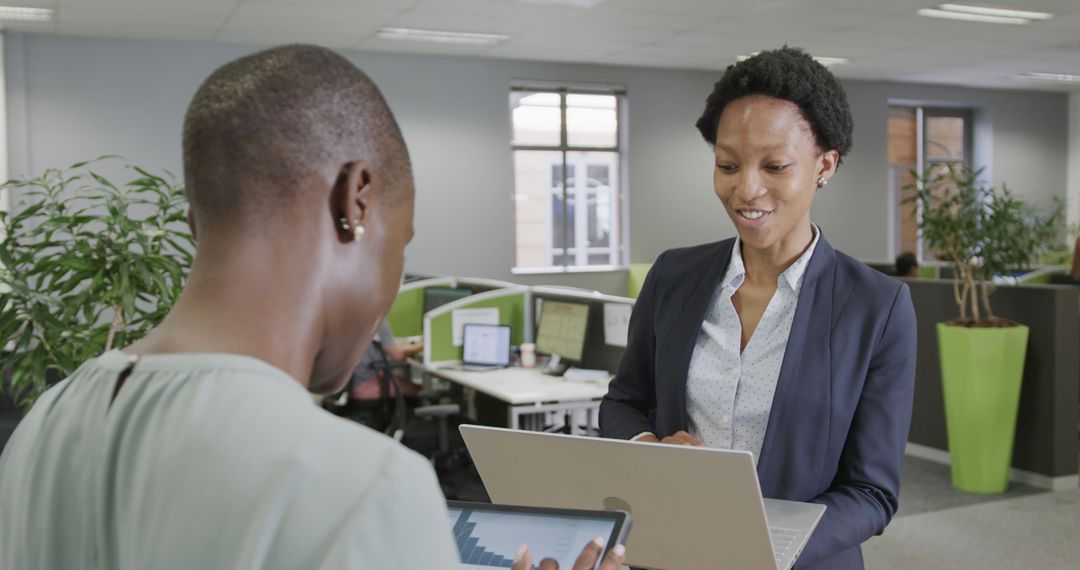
[700, 285]
[797, 431]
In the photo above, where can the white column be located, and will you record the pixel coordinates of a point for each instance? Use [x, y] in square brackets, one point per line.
[1072, 187]
[4, 204]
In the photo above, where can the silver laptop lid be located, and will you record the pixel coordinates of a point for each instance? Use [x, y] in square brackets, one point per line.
[690, 505]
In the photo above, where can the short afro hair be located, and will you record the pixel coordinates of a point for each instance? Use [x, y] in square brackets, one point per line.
[260, 125]
[792, 75]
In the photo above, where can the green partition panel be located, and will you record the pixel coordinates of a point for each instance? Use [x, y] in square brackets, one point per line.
[1043, 279]
[1046, 277]
[406, 314]
[929, 272]
[511, 312]
[636, 278]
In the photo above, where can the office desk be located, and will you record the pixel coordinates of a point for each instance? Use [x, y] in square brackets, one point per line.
[529, 391]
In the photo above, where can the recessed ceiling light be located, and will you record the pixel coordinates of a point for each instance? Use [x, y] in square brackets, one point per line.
[823, 60]
[571, 3]
[1002, 12]
[984, 15]
[1056, 77]
[19, 14]
[439, 36]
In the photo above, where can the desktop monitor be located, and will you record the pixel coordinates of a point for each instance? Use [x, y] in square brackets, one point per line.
[438, 296]
[562, 329]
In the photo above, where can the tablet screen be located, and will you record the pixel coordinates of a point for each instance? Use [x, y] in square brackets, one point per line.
[489, 536]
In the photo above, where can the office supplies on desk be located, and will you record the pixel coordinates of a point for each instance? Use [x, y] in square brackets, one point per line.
[689, 503]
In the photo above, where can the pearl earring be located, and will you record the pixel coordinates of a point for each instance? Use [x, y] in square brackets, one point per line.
[344, 224]
[358, 232]
[822, 181]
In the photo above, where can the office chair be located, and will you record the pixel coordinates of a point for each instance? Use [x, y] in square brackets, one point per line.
[423, 424]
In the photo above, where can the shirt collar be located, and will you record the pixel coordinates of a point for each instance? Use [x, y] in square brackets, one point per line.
[793, 275]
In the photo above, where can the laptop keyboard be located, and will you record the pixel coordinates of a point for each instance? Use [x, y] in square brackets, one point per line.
[783, 540]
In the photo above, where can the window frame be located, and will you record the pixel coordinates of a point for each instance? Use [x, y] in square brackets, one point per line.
[621, 193]
[923, 112]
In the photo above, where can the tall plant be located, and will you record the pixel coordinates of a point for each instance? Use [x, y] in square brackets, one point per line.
[981, 231]
[86, 265]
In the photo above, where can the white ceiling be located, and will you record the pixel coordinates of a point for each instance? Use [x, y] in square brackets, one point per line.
[883, 39]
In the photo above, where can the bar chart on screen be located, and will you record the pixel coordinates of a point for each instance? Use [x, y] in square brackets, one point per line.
[490, 539]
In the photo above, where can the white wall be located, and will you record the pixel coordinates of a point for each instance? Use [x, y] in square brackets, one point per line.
[73, 98]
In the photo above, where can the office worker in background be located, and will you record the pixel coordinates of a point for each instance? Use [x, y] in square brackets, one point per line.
[198, 446]
[773, 342]
[1076, 259]
[383, 348]
[907, 265]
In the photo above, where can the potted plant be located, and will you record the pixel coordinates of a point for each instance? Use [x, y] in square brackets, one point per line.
[983, 232]
[85, 266]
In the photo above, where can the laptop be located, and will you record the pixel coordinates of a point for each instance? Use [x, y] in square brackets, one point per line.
[692, 506]
[485, 347]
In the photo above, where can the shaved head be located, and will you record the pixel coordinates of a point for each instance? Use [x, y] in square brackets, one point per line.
[262, 125]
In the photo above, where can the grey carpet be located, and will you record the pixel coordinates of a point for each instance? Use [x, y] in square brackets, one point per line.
[1034, 531]
[926, 486]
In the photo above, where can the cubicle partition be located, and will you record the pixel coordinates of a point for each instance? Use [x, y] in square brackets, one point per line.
[601, 352]
[1046, 450]
[438, 325]
[407, 313]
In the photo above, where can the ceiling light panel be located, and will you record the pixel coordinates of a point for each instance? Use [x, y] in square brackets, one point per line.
[20, 14]
[984, 14]
[440, 36]
[1000, 12]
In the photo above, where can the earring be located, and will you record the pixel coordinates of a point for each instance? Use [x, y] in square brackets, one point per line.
[358, 232]
[822, 181]
[344, 224]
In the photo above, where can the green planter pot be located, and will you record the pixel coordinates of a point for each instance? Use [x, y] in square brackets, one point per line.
[981, 370]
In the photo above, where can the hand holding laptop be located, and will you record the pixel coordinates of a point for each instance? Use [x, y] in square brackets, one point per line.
[678, 438]
[585, 561]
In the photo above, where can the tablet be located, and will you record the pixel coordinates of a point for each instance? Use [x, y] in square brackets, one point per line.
[488, 536]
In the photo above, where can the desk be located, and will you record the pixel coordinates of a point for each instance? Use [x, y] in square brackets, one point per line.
[528, 391]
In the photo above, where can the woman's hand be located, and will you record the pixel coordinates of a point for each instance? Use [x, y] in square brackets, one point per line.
[585, 561]
[678, 438]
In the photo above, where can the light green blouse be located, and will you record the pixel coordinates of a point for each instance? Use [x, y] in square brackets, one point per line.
[208, 461]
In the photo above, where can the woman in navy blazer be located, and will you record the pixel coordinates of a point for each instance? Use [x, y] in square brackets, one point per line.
[779, 123]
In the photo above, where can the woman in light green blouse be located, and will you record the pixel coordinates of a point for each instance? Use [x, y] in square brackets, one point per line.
[198, 447]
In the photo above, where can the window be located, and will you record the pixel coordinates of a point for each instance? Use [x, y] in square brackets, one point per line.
[920, 137]
[569, 201]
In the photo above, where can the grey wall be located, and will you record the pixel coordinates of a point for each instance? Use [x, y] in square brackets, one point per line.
[72, 98]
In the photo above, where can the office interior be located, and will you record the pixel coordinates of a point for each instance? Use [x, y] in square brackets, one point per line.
[114, 78]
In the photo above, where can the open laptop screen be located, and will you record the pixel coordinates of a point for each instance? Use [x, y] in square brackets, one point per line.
[486, 345]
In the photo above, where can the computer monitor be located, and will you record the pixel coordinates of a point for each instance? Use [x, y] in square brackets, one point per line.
[438, 296]
[562, 329]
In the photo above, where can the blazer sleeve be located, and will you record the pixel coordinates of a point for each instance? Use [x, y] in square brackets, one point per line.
[864, 495]
[631, 397]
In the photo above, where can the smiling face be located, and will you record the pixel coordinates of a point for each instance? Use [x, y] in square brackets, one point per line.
[767, 167]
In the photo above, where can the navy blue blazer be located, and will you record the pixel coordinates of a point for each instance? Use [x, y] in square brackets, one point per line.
[842, 407]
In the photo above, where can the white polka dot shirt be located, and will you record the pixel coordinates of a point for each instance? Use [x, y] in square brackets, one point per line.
[729, 395]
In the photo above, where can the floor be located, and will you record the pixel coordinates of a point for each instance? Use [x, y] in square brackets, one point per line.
[938, 527]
